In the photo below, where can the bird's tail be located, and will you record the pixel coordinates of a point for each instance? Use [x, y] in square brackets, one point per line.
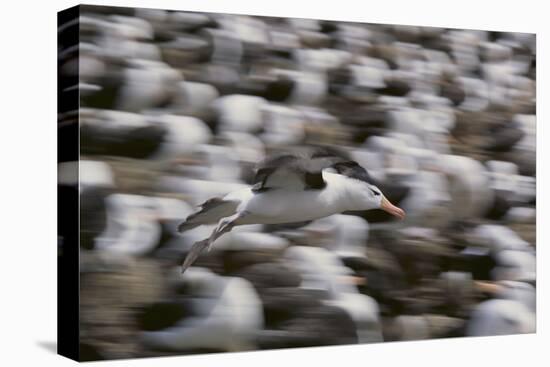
[211, 211]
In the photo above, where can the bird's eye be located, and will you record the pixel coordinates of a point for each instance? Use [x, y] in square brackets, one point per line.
[376, 193]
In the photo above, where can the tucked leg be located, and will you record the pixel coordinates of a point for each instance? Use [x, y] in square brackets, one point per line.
[225, 225]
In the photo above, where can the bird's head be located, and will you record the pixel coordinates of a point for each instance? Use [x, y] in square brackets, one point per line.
[373, 198]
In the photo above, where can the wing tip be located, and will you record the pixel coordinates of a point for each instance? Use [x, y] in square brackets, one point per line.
[184, 226]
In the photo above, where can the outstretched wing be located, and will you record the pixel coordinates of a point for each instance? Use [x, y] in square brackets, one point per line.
[299, 170]
[211, 211]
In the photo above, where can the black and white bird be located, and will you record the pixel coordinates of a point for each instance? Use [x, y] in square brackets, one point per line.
[291, 187]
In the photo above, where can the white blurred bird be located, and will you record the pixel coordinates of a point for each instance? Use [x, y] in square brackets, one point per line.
[288, 188]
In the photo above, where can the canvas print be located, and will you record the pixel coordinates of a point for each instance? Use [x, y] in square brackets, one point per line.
[237, 182]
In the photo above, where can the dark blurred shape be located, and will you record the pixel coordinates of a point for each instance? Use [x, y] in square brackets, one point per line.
[93, 215]
[328, 27]
[364, 121]
[338, 80]
[236, 260]
[285, 226]
[421, 258]
[279, 90]
[106, 97]
[452, 90]
[88, 353]
[280, 303]
[383, 275]
[477, 260]
[323, 325]
[137, 143]
[395, 87]
[270, 275]
[503, 136]
[500, 207]
[297, 318]
[158, 316]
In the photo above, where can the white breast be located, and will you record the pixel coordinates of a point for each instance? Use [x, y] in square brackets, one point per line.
[286, 206]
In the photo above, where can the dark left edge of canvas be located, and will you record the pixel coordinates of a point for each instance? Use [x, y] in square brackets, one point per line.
[67, 198]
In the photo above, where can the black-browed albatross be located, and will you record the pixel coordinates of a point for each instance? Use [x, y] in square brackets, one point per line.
[292, 187]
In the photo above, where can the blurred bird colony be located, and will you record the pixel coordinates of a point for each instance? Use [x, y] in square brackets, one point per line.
[178, 107]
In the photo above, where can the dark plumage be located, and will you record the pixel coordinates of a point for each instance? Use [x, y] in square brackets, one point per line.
[352, 169]
[307, 165]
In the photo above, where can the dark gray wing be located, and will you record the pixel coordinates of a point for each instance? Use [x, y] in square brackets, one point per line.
[273, 169]
[302, 169]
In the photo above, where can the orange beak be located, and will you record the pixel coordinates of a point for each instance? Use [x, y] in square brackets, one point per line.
[388, 207]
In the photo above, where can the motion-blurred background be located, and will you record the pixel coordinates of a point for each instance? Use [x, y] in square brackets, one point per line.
[177, 107]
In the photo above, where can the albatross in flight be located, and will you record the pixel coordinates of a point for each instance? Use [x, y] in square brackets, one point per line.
[288, 188]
